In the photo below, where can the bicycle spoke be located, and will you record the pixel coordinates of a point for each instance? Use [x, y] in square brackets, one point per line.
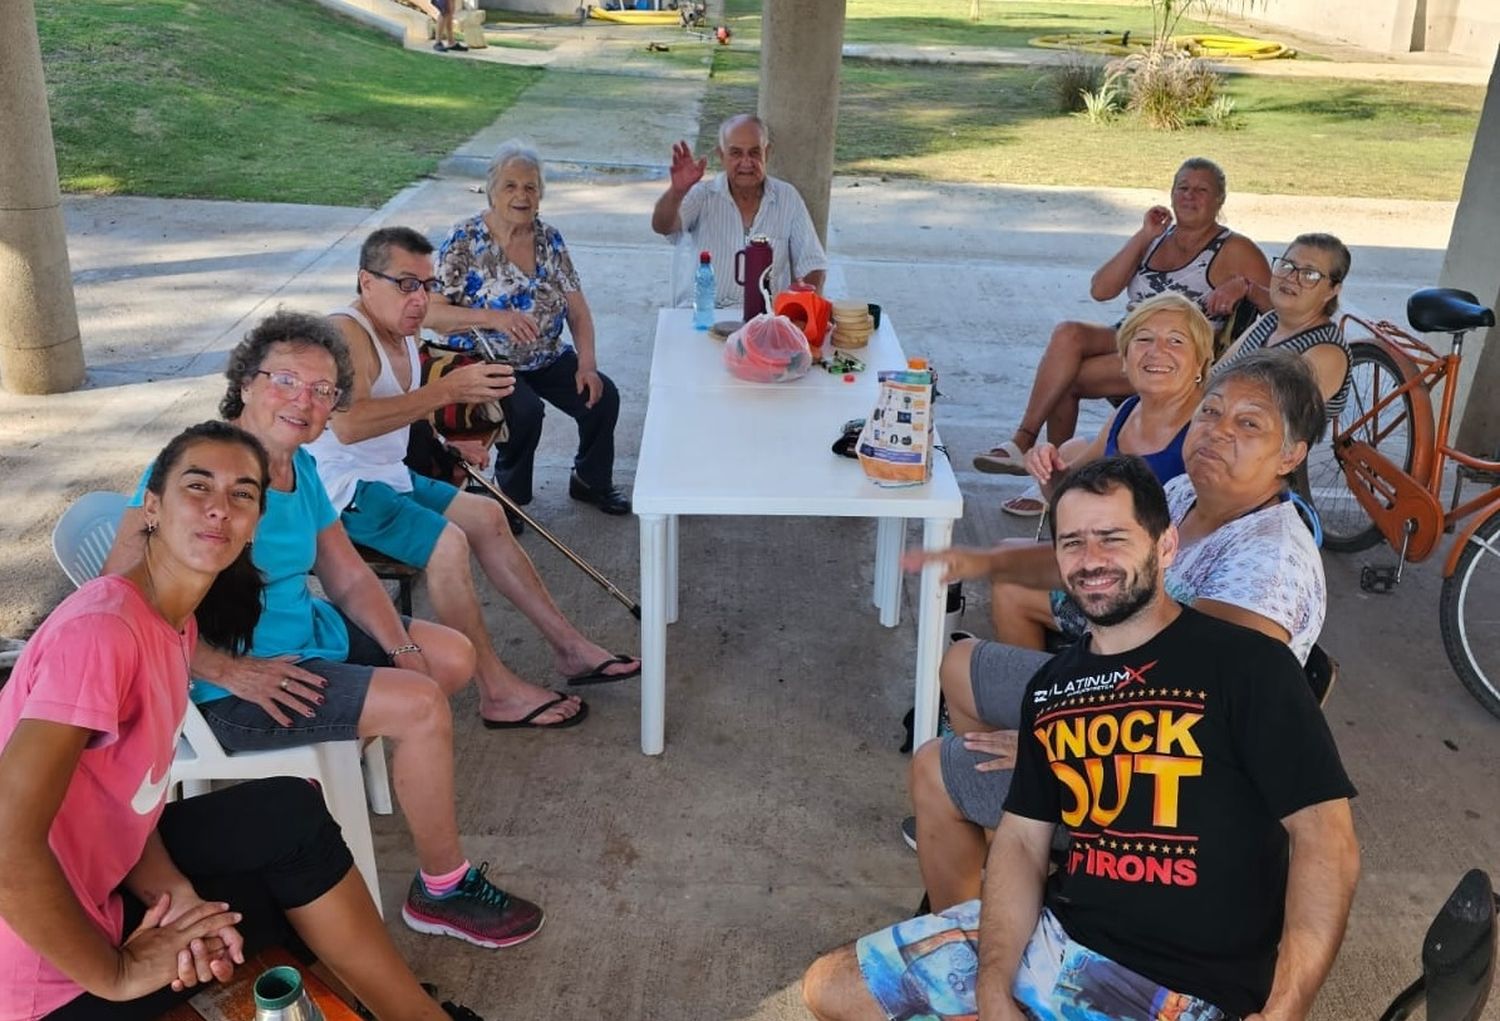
[1471, 615]
[1373, 375]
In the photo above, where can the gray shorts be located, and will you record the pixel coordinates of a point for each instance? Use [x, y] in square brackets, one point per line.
[998, 674]
[243, 726]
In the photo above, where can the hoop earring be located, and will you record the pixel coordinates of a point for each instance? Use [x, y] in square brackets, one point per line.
[1198, 378]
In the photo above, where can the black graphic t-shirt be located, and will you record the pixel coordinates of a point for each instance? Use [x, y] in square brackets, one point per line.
[1172, 766]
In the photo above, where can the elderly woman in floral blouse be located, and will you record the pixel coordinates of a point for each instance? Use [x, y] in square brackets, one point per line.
[507, 273]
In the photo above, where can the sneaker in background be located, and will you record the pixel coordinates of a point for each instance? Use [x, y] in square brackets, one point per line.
[476, 911]
[909, 831]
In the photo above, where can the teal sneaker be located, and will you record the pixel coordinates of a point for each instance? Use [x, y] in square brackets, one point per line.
[476, 911]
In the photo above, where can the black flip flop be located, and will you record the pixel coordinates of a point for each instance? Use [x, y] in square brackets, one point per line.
[525, 722]
[598, 676]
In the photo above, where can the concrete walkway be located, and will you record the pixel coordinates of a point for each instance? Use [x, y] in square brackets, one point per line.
[697, 886]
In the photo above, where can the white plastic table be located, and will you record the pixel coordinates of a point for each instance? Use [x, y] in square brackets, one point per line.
[693, 404]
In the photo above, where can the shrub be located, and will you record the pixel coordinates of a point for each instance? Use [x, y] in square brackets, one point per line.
[1103, 103]
[1169, 89]
[1220, 113]
[1071, 80]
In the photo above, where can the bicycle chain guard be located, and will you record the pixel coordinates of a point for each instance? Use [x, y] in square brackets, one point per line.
[1395, 501]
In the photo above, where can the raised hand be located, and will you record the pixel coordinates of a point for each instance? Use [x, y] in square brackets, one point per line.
[1156, 221]
[1044, 461]
[686, 171]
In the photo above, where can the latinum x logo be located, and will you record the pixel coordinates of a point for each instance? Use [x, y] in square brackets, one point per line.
[1110, 680]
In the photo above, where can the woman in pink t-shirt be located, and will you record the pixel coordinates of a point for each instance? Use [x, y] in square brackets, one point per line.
[112, 903]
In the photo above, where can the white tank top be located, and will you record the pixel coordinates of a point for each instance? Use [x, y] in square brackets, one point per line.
[342, 466]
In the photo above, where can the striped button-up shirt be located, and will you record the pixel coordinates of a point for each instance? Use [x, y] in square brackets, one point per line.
[711, 217]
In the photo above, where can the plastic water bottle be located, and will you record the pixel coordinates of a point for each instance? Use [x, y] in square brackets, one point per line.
[705, 290]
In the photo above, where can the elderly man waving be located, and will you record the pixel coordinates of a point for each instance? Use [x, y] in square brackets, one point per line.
[722, 214]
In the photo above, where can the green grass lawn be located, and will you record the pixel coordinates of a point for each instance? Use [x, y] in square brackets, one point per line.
[998, 124]
[264, 100]
[1001, 22]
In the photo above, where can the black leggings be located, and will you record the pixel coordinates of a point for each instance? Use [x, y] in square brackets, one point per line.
[261, 847]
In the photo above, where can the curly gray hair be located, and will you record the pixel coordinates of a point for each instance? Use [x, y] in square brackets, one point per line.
[299, 329]
[513, 150]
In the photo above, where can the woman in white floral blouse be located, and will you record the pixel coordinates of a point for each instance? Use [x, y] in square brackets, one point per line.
[508, 274]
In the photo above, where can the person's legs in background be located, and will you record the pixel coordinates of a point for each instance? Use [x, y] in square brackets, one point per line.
[515, 459]
[594, 464]
[1022, 616]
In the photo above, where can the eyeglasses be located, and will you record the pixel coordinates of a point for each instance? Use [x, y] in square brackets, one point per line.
[290, 386]
[410, 285]
[1307, 276]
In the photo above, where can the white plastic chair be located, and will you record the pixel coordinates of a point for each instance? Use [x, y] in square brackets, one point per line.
[81, 541]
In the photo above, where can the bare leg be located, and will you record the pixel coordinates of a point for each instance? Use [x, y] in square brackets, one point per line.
[450, 656]
[834, 990]
[950, 849]
[450, 586]
[1097, 376]
[343, 930]
[958, 688]
[1071, 343]
[412, 710]
[510, 570]
[1022, 616]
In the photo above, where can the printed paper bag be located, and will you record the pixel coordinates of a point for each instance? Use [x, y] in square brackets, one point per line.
[895, 446]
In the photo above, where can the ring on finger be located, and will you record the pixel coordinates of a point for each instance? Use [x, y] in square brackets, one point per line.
[283, 684]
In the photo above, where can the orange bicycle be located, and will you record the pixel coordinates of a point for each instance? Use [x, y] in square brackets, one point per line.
[1382, 476]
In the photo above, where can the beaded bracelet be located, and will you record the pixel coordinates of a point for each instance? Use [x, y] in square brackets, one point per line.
[402, 649]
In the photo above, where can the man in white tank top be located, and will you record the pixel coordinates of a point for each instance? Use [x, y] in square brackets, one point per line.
[431, 524]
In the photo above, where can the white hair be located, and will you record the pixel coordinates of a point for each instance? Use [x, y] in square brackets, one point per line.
[513, 150]
[730, 123]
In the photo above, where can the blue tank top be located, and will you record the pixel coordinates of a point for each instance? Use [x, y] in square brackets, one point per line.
[1166, 463]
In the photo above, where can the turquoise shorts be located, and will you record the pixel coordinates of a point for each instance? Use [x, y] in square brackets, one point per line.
[402, 526]
[928, 968]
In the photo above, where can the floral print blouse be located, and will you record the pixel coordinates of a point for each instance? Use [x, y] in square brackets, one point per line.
[476, 274]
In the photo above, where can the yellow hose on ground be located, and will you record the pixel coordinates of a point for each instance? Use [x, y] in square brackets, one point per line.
[1121, 44]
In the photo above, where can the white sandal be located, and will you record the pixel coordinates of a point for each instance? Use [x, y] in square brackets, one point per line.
[1006, 459]
[1028, 505]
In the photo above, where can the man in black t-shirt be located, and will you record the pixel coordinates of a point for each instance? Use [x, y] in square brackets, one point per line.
[1213, 857]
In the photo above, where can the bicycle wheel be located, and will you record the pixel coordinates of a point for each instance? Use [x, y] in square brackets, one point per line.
[1373, 374]
[1471, 615]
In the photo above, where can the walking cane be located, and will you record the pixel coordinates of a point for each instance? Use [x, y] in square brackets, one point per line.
[582, 564]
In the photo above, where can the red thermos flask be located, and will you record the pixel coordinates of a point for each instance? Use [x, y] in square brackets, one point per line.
[752, 271]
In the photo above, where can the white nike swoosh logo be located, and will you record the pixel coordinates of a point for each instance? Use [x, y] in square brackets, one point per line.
[150, 794]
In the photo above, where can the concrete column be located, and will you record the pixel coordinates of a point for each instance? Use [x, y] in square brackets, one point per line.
[40, 350]
[801, 44]
[1473, 264]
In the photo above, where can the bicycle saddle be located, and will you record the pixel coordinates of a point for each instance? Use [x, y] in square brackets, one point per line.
[1446, 310]
[1458, 955]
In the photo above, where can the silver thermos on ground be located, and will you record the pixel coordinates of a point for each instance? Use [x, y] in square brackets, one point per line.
[280, 996]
